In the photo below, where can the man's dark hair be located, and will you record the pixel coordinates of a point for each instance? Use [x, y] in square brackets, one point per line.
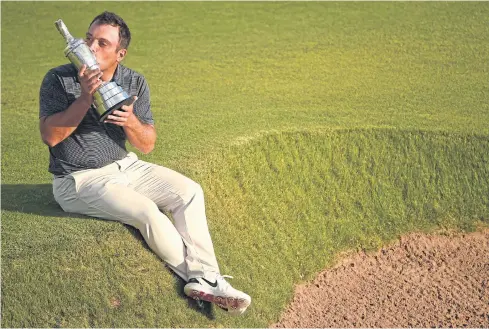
[109, 18]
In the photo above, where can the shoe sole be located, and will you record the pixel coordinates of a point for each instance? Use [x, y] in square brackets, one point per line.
[231, 304]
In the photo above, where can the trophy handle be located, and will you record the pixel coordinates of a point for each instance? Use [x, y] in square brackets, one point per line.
[63, 30]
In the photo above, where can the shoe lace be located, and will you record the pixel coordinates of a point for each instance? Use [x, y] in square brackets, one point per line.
[224, 284]
[225, 276]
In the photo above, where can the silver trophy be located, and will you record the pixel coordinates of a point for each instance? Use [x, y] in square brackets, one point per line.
[109, 96]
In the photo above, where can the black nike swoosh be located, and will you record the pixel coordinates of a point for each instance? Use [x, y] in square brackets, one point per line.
[213, 285]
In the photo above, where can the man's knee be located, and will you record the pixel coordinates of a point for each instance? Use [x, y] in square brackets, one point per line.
[192, 190]
[150, 214]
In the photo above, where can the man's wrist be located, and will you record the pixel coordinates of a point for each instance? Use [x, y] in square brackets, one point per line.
[85, 100]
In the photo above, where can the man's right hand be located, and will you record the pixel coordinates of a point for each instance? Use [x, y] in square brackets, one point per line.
[89, 82]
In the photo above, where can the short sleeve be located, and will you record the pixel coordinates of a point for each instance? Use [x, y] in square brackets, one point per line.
[142, 107]
[52, 96]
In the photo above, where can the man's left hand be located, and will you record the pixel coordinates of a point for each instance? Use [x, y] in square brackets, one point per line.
[124, 116]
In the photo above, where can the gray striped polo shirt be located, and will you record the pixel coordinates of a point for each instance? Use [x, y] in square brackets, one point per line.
[93, 144]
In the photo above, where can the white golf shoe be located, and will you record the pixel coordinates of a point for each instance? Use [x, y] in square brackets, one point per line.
[219, 292]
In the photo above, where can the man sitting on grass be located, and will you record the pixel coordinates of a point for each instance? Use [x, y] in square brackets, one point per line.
[94, 174]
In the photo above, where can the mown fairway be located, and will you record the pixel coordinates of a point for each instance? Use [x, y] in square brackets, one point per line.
[313, 127]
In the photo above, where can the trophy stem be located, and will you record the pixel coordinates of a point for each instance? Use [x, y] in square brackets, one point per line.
[63, 30]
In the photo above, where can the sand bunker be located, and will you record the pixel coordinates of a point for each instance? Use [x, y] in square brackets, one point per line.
[421, 281]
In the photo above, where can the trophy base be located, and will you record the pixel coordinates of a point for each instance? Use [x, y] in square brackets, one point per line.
[110, 97]
[127, 101]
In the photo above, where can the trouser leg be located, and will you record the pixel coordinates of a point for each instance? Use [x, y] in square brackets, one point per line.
[184, 199]
[106, 194]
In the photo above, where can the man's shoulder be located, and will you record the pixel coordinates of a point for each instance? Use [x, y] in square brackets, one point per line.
[65, 74]
[66, 70]
[127, 73]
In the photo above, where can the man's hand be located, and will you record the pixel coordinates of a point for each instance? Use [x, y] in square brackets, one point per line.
[57, 127]
[123, 117]
[89, 82]
[141, 135]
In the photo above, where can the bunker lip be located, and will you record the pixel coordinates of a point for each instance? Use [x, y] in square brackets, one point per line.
[419, 281]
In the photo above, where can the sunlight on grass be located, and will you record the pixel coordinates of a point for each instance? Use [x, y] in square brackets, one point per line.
[298, 199]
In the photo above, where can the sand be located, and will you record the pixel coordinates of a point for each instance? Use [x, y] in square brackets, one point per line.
[420, 281]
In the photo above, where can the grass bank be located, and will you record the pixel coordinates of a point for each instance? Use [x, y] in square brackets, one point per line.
[281, 208]
[300, 198]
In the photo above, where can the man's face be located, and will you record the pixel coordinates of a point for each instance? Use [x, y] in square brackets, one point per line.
[103, 40]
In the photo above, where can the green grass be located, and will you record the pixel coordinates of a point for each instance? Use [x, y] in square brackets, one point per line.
[314, 128]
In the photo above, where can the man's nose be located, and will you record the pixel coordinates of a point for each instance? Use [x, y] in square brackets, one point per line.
[93, 47]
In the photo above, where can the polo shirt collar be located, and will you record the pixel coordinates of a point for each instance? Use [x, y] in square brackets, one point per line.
[117, 77]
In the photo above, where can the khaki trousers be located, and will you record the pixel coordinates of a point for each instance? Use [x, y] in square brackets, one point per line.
[133, 192]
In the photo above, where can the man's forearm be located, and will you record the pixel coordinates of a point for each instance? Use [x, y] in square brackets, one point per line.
[55, 128]
[142, 136]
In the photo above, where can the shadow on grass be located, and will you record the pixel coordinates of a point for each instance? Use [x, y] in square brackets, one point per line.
[203, 307]
[37, 199]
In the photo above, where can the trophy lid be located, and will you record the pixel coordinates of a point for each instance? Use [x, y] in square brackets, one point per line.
[63, 30]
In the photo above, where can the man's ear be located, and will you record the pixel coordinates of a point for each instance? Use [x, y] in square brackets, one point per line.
[121, 54]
